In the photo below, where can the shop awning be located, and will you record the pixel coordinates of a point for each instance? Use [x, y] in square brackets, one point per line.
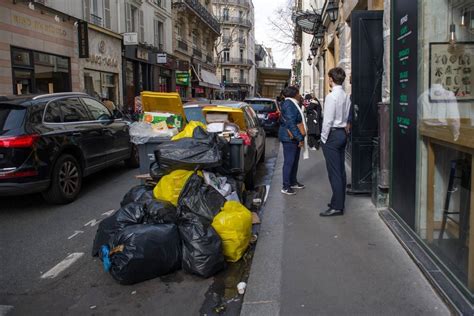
[208, 79]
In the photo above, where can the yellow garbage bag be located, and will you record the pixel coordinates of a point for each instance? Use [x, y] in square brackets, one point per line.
[169, 187]
[234, 225]
[188, 130]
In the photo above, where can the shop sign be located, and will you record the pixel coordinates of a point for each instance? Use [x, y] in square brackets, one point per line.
[182, 78]
[130, 38]
[404, 108]
[102, 60]
[38, 25]
[83, 39]
[161, 59]
[142, 54]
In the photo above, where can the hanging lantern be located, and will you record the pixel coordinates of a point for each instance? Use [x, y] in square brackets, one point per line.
[333, 10]
[309, 60]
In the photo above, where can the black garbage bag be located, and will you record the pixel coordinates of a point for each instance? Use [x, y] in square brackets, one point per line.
[130, 214]
[202, 248]
[160, 212]
[200, 199]
[189, 153]
[143, 252]
[139, 193]
[156, 173]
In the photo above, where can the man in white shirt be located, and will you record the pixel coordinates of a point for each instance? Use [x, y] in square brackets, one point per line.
[334, 139]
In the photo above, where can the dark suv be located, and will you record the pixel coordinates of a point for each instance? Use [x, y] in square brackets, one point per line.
[48, 143]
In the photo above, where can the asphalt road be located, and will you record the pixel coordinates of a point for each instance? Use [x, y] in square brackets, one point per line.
[35, 237]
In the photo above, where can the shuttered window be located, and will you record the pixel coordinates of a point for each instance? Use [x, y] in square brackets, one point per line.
[107, 22]
[128, 18]
[141, 23]
[87, 10]
[158, 29]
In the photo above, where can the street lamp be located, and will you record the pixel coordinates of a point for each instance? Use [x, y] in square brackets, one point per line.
[309, 59]
[332, 10]
[319, 36]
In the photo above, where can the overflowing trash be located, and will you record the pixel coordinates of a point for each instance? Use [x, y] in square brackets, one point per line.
[192, 217]
[143, 252]
[234, 226]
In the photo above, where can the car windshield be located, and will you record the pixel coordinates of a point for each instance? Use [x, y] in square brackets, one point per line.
[11, 117]
[194, 114]
[263, 106]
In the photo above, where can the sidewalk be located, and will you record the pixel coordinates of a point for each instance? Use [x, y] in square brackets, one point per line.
[346, 265]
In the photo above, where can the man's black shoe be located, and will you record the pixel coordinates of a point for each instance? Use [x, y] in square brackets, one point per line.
[331, 212]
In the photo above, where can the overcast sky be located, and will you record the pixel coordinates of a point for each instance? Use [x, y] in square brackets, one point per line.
[264, 9]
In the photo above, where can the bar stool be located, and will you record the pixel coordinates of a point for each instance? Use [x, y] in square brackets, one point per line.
[463, 212]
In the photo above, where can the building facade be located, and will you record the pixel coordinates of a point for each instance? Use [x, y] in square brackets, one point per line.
[195, 32]
[125, 47]
[412, 110]
[38, 50]
[235, 49]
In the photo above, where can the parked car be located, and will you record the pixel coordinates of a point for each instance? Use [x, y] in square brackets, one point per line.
[48, 143]
[268, 113]
[245, 117]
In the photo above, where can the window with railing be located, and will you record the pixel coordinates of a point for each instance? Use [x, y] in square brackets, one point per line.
[225, 14]
[98, 12]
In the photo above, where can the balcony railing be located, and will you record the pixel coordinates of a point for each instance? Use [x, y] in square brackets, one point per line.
[243, 3]
[197, 53]
[235, 20]
[238, 80]
[237, 61]
[182, 45]
[95, 19]
[200, 11]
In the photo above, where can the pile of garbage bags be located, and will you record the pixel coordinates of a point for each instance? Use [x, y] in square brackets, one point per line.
[192, 219]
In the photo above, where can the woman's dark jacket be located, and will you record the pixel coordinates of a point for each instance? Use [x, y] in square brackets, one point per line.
[290, 117]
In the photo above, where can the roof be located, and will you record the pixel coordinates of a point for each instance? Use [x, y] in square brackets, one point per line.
[22, 99]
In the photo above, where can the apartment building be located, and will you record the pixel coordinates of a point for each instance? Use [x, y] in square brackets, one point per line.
[194, 35]
[235, 49]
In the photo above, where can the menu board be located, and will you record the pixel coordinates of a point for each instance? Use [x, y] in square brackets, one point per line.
[451, 70]
[404, 108]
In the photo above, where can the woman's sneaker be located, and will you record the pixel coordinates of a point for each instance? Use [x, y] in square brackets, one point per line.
[297, 186]
[288, 191]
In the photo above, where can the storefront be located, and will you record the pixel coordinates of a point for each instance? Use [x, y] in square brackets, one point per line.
[38, 51]
[101, 71]
[146, 70]
[183, 79]
[204, 82]
[433, 132]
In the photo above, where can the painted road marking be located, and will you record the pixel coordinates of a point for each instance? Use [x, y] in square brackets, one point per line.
[4, 309]
[92, 223]
[76, 232]
[108, 213]
[63, 265]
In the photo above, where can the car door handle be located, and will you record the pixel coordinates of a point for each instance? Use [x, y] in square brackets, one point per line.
[77, 134]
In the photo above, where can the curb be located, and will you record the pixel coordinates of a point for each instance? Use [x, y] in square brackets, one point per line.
[264, 283]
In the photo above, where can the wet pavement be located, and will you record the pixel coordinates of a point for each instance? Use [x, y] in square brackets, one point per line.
[36, 236]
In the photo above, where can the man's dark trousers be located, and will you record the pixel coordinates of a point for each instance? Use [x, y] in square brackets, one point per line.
[334, 152]
[291, 155]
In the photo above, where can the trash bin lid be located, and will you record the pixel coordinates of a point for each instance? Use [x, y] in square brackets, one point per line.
[169, 102]
[235, 115]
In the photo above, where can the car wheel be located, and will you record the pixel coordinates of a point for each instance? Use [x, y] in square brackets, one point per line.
[66, 181]
[134, 160]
